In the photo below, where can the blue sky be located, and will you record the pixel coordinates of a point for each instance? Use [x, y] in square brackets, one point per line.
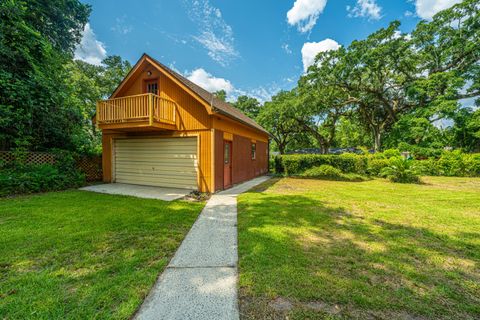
[245, 47]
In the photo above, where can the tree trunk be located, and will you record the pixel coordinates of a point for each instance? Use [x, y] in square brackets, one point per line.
[377, 136]
[322, 143]
[281, 148]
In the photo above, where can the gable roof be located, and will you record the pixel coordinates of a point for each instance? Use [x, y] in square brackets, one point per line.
[217, 105]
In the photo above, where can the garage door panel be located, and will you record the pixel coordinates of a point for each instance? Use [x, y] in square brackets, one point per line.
[159, 166]
[152, 177]
[166, 146]
[166, 162]
[165, 149]
[139, 156]
[176, 172]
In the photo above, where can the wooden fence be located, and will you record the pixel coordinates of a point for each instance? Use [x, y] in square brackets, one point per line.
[91, 166]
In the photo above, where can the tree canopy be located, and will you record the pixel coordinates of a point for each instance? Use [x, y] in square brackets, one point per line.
[46, 98]
[394, 88]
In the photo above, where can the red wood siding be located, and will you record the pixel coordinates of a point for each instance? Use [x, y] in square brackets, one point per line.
[243, 167]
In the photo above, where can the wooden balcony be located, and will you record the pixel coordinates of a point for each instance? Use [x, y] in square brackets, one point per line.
[147, 111]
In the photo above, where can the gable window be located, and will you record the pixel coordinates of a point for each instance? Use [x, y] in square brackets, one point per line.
[151, 87]
[254, 151]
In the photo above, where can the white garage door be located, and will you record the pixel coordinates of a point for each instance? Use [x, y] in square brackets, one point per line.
[162, 162]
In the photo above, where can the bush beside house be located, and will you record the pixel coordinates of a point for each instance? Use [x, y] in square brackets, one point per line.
[21, 177]
[449, 163]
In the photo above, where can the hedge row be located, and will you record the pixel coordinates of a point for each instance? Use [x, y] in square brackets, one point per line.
[21, 178]
[453, 164]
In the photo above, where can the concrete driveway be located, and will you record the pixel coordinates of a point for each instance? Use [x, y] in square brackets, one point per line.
[148, 192]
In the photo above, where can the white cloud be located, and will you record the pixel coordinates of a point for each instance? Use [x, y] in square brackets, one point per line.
[216, 35]
[121, 26]
[208, 82]
[365, 8]
[304, 14]
[311, 49]
[212, 84]
[286, 48]
[426, 9]
[90, 49]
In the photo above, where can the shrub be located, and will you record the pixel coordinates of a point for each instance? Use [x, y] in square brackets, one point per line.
[421, 153]
[401, 171]
[350, 163]
[278, 163]
[37, 178]
[427, 167]
[449, 164]
[376, 165]
[347, 162]
[387, 154]
[328, 172]
[471, 163]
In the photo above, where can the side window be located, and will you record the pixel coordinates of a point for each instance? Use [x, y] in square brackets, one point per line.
[254, 151]
[226, 156]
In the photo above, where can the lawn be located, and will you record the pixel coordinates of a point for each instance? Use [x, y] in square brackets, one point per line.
[312, 249]
[83, 255]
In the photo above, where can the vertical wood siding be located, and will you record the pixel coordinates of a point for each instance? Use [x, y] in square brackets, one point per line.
[230, 126]
[192, 119]
[191, 114]
[243, 167]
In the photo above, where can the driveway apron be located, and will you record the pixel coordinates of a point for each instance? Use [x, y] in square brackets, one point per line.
[201, 280]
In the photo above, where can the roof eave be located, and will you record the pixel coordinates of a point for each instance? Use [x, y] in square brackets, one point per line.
[216, 110]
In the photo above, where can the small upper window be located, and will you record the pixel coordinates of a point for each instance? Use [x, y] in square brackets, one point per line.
[152, 87]
[254, 151]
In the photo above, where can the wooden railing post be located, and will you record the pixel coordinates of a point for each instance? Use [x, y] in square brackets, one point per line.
[150, 107]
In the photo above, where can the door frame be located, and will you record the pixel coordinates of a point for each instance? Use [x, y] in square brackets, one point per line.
[229, 142]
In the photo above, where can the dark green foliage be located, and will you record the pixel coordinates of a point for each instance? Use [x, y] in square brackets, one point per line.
[327, 172]
[376, 165]
[47, 100]
[348, 163]
[22, 178]
[36, 41]
[38, 178]
[401, 171]
[248, 105]
[421, 153]
[221, 94]
[278, 163]
[448, 164]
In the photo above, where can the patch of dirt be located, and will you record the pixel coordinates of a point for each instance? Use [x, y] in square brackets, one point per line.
[282, 308]
[281, 304]
[322, 306]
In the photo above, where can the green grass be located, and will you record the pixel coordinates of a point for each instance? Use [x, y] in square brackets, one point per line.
[83, 255]
[313, 249]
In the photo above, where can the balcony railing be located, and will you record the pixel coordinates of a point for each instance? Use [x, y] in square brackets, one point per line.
[143, 107]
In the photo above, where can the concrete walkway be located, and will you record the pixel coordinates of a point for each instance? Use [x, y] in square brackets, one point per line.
[201, 280]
